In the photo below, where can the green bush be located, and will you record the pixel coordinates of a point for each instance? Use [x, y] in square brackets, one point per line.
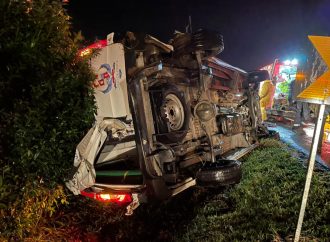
[284, 87]
[46, 104]
[267, 143]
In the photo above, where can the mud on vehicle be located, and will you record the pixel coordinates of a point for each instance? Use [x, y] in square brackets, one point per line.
[170, 116]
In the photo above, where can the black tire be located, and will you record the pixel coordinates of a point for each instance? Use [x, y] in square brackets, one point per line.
[220, 173]
[209, 41]
[272, 134]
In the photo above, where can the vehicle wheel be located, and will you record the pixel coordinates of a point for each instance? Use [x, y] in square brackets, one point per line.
[220, 173]
[174, 115]
[209, 41]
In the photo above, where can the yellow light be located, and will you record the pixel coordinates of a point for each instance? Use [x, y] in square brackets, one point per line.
[105, 196]
[120, 198]
[85, 52]
[300, 76]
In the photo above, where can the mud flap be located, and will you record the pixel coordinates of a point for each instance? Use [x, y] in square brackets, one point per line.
[133, 205]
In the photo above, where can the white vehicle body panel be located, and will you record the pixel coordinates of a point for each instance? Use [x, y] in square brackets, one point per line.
[110, 83]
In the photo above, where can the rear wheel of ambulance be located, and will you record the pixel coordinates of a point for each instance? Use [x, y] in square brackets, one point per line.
[220, 173]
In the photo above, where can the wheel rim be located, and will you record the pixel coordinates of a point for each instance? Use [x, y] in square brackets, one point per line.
[173, 111]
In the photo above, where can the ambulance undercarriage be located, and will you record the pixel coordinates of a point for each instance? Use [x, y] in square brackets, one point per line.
[169, 117]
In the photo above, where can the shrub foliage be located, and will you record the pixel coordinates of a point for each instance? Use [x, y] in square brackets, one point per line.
[46, 104]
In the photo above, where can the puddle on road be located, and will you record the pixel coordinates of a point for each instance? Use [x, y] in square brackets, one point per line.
[301, 141]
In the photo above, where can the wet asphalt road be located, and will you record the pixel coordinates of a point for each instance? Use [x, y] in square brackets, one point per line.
[301, 140]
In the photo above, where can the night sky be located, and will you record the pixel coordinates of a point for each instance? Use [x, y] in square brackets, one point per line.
[255, 32]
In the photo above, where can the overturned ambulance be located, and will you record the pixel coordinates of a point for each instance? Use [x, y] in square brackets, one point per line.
[169, 116]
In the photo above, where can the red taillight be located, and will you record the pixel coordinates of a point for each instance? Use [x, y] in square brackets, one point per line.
[97, 45]
[119, 198]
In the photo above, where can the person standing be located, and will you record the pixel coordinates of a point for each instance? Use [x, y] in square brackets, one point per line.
[266, 95]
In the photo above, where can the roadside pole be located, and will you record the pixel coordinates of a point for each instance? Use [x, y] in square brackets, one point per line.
[311, 162]
[318, 92]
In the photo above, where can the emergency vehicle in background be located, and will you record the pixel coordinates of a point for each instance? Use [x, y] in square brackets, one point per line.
[276, 94]
[278, 99]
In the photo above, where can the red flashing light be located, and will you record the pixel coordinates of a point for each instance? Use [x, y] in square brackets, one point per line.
[97, 45]
[118, 198]
[86, 51]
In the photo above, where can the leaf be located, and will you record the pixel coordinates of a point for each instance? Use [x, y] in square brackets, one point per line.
[3, 206]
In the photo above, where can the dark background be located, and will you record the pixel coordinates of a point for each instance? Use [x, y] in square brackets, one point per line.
[255, 32]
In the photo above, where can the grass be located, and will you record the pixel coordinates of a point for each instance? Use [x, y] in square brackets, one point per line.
[263, 207]
[267, 202]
